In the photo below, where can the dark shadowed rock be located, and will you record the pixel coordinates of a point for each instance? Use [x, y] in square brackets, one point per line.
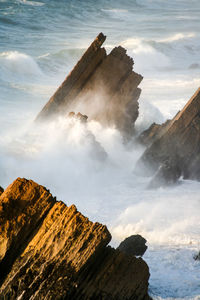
[179, 144]
[82, 118]
[102, 86]
[197, 256]
[51, 251]
[1, 190]
[133, 245]
[168, 174]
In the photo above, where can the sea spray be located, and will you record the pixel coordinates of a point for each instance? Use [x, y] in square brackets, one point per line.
[64, 156]
[53, 37]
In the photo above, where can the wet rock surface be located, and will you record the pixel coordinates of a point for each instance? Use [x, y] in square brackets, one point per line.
[133, 245]
[51, 251]
[102, 86]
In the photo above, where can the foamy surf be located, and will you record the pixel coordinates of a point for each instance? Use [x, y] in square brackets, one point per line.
[39, 45]
[32, 3]
[68, 150]
[17, 64]
[177, 37]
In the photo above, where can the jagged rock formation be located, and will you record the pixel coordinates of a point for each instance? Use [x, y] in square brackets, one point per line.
[23, 206]
[134, 245]
[102, 86]
[51, 251]
[177, 151]
[148, 136]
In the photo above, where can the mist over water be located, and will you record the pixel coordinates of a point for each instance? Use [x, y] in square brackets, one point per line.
[87, 164]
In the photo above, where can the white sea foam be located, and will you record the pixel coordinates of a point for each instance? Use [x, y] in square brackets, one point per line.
[32, 3]
[91, 167]
[150, 216]
[15, 63]
[148, 114]
[65, 156]
[115, 10]
[145, 56]
[177, 37]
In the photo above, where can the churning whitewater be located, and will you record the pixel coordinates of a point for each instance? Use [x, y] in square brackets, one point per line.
[85, 163]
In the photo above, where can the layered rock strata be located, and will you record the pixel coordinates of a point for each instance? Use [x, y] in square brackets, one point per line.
[148, 136]
[104, 87]
[176, 151]
[51, 251]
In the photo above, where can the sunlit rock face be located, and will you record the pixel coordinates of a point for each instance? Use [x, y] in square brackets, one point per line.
[51, 251]
[177, 148]
[104, 87]
[23, 206]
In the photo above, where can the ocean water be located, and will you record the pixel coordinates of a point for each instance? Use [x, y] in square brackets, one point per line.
[88, 165]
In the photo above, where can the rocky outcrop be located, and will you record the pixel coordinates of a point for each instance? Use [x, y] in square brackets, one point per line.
[104, 87]
[148, 136]
[133, 245]
[78, 116]
[23, 206]
[177, 150]
[51, 251]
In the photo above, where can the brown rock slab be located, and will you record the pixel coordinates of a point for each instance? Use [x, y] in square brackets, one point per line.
[148, 136]
[179, 144]
[104, 87]
[60, 253]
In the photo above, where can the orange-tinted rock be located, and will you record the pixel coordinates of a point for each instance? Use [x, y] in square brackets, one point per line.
[23, 206]
[65, 256]
[179, 145]
[104, 87]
